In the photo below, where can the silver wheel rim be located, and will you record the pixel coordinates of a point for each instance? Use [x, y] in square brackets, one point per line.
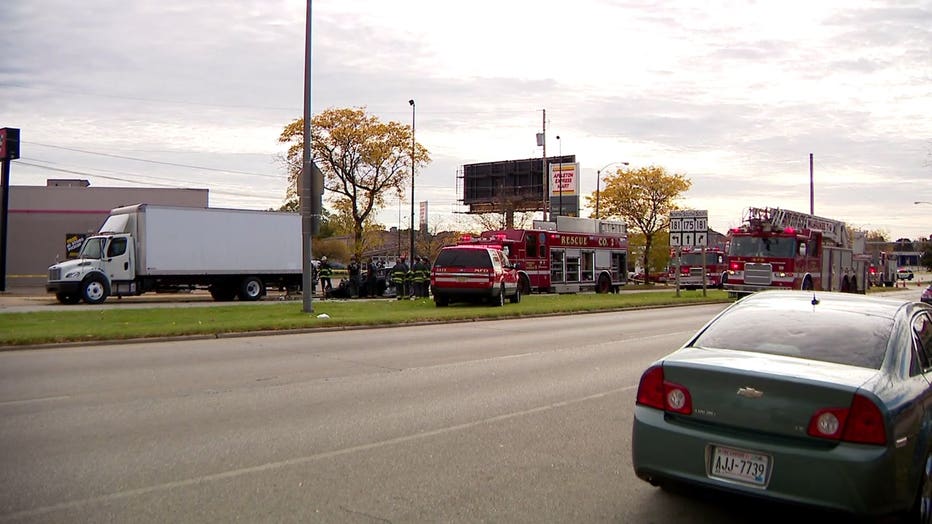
[925, 493]
[95, 290]
[252, 288]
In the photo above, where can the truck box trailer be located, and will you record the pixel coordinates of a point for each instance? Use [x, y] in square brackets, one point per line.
[145, 247]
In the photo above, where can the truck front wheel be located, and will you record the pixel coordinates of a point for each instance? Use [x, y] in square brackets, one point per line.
[251, 289]
[94, 290]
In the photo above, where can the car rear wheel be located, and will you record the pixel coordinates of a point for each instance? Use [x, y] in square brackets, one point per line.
[499, 299]
[441, 300]
[922, 508]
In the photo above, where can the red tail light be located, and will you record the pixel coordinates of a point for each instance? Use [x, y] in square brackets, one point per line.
[861, 423]
[655, 392]
[865, 423]
[734, 266]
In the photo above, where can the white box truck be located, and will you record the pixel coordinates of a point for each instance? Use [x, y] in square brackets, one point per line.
[145, 247]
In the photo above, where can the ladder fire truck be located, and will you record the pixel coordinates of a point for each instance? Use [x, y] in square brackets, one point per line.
[781, 249]
[690, 266]
[566, 256]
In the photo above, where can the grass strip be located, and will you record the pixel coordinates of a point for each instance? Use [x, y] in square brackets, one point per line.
[88, 324]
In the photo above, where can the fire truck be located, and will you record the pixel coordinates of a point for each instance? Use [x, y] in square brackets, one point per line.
[691, 266]
[781, 249]
[883, 270]
[569, 255]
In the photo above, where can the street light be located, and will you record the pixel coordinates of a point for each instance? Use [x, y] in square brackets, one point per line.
[411, 251]
[560, 177]
[598, 183]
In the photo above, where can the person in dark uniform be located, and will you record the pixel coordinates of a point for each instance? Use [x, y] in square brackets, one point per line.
[399, 278]
[355, 277]
[325, 272]
[372, 275]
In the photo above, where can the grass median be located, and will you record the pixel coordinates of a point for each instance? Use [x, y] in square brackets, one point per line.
[88, 324]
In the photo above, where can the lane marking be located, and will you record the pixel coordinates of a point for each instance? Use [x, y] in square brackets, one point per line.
[270, 466]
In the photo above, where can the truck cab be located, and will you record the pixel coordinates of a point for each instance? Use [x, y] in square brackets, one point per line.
[104, 267]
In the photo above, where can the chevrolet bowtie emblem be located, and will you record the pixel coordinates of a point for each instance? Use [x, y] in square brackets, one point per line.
[750, 393]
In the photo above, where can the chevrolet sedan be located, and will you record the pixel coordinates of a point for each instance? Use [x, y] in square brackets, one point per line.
[820, 399]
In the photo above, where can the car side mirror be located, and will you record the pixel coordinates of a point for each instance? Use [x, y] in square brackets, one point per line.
[802, 249]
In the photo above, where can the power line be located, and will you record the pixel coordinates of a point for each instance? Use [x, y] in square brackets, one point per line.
[173, 164]
[118, 179]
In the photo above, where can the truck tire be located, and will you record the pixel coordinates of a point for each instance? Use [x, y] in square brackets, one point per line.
[94, 289]
[67, 299]
[441, 300]
[604, 285]
[524, 284]
[222, 292]
[251, 289]
[516, 298]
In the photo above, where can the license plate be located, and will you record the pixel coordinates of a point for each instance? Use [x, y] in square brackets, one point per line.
[743, 466]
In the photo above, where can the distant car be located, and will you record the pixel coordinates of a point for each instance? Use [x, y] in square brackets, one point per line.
[927, 295]
[472, 273]
[820, 399]
[904, 273]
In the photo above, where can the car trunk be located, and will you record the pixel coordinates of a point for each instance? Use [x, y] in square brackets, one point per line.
[772, 394]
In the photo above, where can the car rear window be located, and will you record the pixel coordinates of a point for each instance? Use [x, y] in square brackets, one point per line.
[823, 334]
[464, 258]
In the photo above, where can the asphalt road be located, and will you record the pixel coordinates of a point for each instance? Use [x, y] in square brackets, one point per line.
[523, 420]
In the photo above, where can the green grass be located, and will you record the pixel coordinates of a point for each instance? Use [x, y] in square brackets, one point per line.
[88, 324]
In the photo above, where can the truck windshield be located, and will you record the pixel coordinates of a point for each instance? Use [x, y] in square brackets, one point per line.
[695, 259]
[93, 247]
[782, 247]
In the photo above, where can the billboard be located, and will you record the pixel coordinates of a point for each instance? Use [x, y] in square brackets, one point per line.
[519, 185]
[564, 180]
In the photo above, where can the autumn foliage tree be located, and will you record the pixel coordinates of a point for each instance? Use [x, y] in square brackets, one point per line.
[643, 199]
[363, 159]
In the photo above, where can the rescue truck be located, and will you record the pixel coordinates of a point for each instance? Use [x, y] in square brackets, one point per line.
[781, 249]
[691, 267]
[568, 255]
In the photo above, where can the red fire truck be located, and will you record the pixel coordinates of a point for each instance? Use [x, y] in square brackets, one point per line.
[566, 256]
[690, 265]
[781, 249]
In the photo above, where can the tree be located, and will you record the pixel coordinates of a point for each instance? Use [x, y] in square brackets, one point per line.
[496, 221]
[643, 198]
[363, 159]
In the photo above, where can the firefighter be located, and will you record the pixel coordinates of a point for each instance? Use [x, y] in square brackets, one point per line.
[421, 277]
[325, 272]
[354, 270]
[399, 273]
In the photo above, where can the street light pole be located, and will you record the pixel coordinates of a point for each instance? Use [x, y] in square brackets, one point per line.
[598, 183]
[560, 177]
[411, 251]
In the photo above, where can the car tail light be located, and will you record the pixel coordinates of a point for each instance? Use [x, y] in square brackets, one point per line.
[861, 423]
[655, 392]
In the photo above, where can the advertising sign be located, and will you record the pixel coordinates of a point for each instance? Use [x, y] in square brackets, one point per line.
[422, 217]
[564, 180]
[73, 243]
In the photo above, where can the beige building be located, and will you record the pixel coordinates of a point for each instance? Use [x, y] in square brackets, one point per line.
[42, 219]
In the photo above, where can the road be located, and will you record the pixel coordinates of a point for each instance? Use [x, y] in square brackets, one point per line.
[524, 420]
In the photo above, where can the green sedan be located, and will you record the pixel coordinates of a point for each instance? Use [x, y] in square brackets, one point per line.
[822, 399]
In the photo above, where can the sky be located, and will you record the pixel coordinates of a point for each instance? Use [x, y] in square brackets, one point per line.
[734, 95]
